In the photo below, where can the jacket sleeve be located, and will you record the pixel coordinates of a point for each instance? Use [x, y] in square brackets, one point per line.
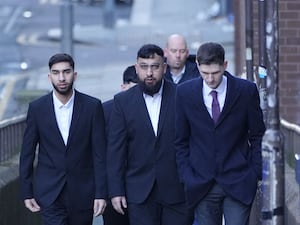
[27, 156]
[256, 130]
[99, 151]
[182, 133]
[116, 151]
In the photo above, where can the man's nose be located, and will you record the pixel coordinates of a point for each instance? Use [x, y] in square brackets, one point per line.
[149, 70]
[61, 76]
[210, 77]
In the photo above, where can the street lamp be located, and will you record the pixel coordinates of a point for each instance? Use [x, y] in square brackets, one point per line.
[262, 68]
[109, 14]
[66, 18]
[272, 144]
[249, 40]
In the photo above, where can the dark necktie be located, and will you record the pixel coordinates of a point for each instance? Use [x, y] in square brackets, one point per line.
[215, 106]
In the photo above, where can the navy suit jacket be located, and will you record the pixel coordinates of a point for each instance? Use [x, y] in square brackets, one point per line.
[191, 72]
[107, 108]
[136, 157]
[228, 152]
[80, 164]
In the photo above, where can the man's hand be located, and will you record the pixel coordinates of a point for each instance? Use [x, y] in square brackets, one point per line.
[32, 205]
[119, 203]
[99, 206]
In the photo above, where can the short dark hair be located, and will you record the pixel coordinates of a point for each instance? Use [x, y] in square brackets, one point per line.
[210, 53]
[129, 75]
[61, 57]
[149, 50]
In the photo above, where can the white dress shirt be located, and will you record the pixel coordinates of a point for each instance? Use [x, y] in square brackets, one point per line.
[63, 114]
[153, 106]
[221, 89]
[177, 78]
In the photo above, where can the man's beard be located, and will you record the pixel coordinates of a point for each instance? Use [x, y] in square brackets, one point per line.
[150, 89]
[65, 91]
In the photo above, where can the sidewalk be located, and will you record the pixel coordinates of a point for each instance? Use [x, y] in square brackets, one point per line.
[152, 21]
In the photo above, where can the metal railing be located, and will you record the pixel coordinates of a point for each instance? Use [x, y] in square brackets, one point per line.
[291, 134]
[12, 209]
[11, 135]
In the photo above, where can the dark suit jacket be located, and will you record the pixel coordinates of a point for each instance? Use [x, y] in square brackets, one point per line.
[107, 108]
[191, 72]
[136, 157]
[229, 152]
[80, 164]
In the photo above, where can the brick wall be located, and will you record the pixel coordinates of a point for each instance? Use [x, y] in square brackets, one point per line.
[289, 59]
[289, 54]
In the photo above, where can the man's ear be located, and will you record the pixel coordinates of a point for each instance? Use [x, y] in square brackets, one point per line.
[165, 52]
[225, 64]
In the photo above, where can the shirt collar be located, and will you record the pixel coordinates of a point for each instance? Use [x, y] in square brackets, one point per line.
[57, 103]
[219, 89]
[181, 72]
[177, 78]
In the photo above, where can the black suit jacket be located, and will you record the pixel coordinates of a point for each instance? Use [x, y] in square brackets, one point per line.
[136, 157]
[107, 108]
[191, 71]
[81, 164]
[228, 152]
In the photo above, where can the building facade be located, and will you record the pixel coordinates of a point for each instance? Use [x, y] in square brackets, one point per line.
[288, 49]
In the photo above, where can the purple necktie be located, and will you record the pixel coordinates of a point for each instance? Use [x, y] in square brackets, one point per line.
[215, 106]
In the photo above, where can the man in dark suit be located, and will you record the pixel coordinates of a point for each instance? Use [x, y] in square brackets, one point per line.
[129, 80]
[142, 172]
[111, 216]
[68, 184]
[181, 66]
[218, 140]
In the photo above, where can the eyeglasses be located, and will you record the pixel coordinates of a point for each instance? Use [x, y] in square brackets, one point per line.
[153, 67]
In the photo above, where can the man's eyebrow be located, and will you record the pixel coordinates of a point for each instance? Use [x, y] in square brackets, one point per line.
[64, 70]
[154, 63]
[214, 72]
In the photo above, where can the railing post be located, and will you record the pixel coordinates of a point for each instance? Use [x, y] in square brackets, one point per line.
[297, 171]
[272, 144]
[11, 135]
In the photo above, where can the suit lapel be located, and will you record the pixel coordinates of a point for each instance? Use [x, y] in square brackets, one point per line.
[232, 95]
[166, 100]
[53, 125]
[142, 112]
[198, 99]
[77, 111]
[198, 93]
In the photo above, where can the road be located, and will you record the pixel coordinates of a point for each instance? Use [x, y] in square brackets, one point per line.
[25, 44]
[30, 32]
[33, 26]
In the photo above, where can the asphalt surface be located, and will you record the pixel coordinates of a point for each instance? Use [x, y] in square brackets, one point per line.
[151, 21]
